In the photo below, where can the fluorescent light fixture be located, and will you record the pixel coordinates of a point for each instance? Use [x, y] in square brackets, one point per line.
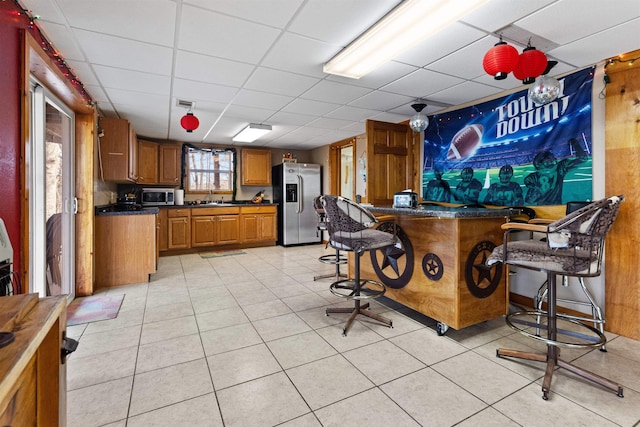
[409, 23]
[251, 133]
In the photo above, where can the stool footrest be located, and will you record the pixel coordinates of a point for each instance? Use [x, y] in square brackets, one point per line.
[347, 288]
[563, 337]
[333, 259]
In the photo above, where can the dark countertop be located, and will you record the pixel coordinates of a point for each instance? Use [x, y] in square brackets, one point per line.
[114, 210]
[448, 211]
[219, 205]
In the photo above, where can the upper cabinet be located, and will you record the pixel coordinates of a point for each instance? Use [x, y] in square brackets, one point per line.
[147, 162]
[256, 167]
[170, 164]
[118, 150]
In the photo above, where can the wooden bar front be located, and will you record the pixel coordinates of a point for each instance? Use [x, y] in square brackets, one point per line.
[447, 263]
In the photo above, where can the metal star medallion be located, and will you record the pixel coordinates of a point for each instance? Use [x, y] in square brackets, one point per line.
[484, 273]
[391, 256]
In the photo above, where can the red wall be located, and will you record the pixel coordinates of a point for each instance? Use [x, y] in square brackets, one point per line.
[10, 46]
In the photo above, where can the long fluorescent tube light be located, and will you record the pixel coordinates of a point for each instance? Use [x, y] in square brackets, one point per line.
[405, 26]
[251, 133]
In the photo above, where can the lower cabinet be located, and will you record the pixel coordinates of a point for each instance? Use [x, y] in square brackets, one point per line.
[259, 224]
[200, 227]
[179, 228]
[214, 226]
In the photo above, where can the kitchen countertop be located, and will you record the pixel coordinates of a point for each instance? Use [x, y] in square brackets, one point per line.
[114, 210]
[448, 211]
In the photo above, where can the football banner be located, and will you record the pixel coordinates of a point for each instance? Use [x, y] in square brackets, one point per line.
[512, 152]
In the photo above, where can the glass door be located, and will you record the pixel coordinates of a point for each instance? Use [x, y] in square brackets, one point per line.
[52, 201]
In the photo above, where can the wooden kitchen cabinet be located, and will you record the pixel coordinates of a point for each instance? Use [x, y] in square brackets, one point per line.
[256, 167]
[161, 223]
[215, 226]
[259, 224]
[125, 249]
[118, 150]
[32, 373]
[169, 164]
[179, 228]
[147, 162]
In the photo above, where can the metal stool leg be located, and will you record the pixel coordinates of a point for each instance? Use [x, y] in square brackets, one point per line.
[338, 259]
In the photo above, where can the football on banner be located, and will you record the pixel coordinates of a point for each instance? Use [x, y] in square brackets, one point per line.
[465, 142]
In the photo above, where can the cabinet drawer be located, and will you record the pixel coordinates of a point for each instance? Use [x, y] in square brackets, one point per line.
[258, 209]
[174, 213]
[215, 211]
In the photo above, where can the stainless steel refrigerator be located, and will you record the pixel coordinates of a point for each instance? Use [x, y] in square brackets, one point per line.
[295, 185]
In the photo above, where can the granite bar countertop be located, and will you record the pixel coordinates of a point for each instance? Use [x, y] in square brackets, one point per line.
[448, 211]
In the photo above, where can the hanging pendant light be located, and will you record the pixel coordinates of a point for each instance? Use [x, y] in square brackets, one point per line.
[189, 122]
[500, 60]
[531, 64]
[418, 121]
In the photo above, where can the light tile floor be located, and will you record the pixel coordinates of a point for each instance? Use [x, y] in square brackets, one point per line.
[244, 341]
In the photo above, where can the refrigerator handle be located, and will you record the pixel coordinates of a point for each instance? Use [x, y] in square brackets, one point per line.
[300, 192]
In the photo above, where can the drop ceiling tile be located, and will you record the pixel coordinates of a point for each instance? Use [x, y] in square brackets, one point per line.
[466, 62]
[379, 77]
[190, 90]
[97, 94]
[131, 80]
[282, 117]
[65, 43]
[47, 10]
[587, 17]
[380, 100]
[499, 13]
[338, 22]
[421, 83]
[223, 36]
[192, 66]
[327, 123]
[600, 46]
[307, 106]
[139, 99]
[83, 72]
[264, 100]
[463, 93]
[335, 92]
[248, 114]
[280, 82]
[351, 113]
[390, 117]
[299, 54]
[127, 54]
[275, 13]
[134, 20]
[452, 38]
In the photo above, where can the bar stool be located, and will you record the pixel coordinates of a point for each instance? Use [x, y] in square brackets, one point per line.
[349, 226]
[336, 259]
[573, 247]
[541, 296]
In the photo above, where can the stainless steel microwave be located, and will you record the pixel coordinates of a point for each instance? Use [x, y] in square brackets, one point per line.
[158, 196]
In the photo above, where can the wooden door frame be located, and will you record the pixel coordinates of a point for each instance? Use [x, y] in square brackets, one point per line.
[335, 171]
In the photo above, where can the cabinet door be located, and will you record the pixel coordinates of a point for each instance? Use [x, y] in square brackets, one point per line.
[179, 233]
[256, 167]
[228, 229]
[115, 149]
[133, 155]
[269, 227]
[203, 231]
[250, 228]
[170, 164]
[163, 231]
[147, 162]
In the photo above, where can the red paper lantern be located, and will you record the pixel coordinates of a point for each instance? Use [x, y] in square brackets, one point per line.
[500, 60]
[189, 122]
[531, 64]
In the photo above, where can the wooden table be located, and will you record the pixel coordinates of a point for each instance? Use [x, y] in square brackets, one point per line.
[440, 265]
[32, 375]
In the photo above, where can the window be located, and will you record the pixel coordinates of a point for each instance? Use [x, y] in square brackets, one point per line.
[209, 170]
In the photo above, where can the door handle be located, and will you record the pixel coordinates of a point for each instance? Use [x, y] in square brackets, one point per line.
[299, 209]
